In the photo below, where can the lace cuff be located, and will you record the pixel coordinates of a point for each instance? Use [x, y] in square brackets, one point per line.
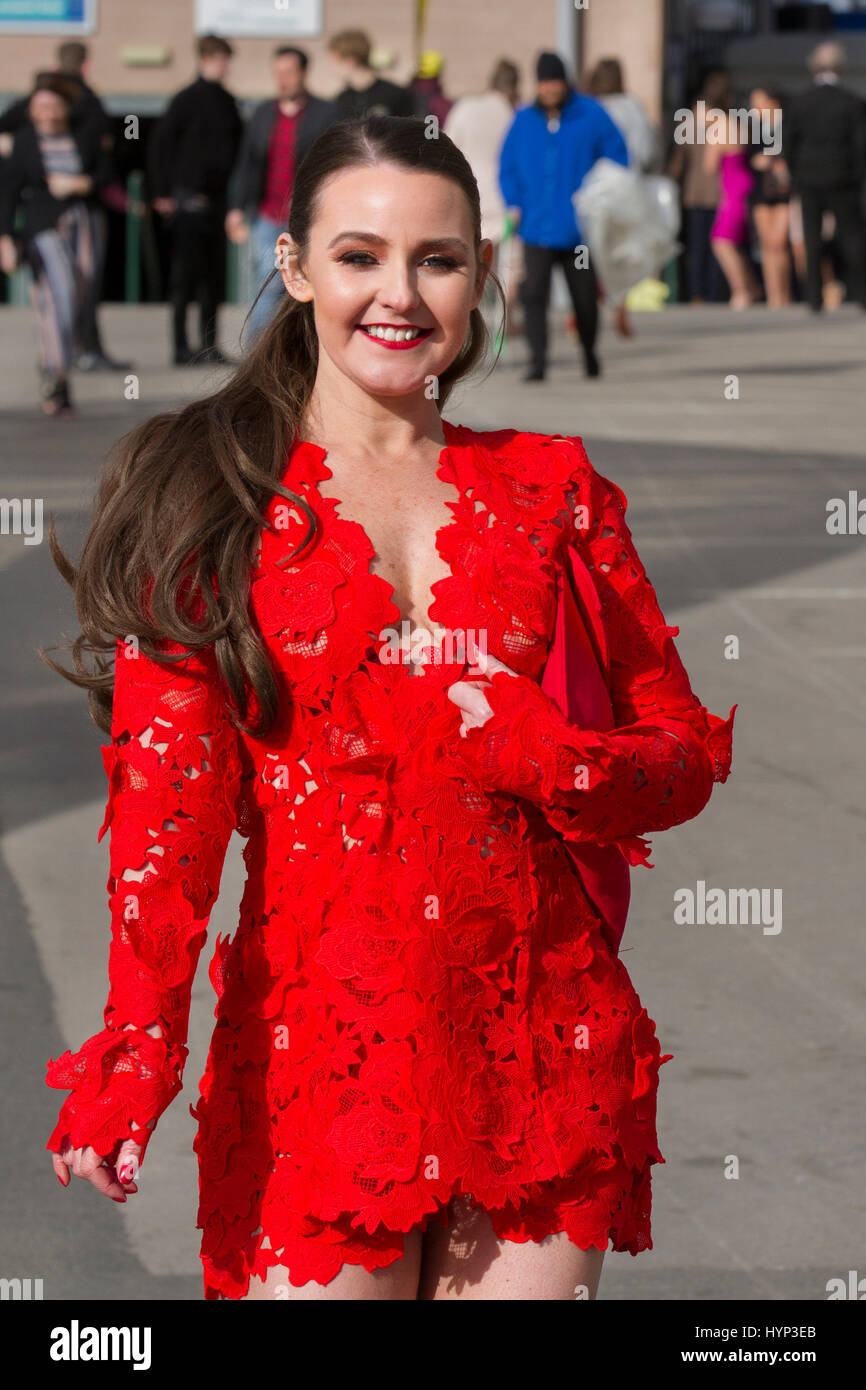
[603, 788]
[122, 1080]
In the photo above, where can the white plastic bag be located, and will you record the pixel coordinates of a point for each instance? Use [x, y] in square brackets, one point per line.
[629, 222]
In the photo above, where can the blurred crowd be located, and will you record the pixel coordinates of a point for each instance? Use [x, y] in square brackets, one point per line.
[774, 217]
[793, 194]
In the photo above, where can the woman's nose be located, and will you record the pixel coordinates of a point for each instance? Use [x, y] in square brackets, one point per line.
[399, 289]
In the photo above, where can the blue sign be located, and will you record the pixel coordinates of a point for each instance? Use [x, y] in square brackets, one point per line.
[47, 16]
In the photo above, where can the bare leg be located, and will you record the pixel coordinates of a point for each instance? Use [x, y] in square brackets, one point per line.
[772, 225]
[622, 321]
[737, 272]
[398, 1281]
[467, 1261]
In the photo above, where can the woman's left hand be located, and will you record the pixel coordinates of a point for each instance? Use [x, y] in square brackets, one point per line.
[468, 695]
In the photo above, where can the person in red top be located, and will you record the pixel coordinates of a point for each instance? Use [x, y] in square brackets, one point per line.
[431, 1075]
[280, 132]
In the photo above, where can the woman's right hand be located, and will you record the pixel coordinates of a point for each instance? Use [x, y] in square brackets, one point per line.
[114, 1179]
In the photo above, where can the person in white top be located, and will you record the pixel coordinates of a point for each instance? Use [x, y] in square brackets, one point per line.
[629, 113]
[641, 136]
[478, 125]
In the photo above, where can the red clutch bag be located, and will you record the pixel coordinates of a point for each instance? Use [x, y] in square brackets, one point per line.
[576, 679]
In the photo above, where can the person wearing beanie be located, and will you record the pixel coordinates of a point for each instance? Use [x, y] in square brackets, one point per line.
[550, 68]
[548, 152]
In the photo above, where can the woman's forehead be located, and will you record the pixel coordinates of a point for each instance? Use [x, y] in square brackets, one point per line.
[381, 187]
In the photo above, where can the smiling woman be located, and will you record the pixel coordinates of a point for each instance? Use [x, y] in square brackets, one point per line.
[431, 1076]
[409, 279]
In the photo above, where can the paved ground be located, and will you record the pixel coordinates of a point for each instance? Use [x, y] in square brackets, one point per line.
[727, 504]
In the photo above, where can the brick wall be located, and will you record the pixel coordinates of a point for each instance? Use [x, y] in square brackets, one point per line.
[472, 34]
[633, 31]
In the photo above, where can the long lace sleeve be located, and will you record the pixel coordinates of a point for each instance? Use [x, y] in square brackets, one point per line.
[657, 766]
[174, 771]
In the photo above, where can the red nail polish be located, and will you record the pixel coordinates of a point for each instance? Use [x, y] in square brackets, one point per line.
[60, 1180]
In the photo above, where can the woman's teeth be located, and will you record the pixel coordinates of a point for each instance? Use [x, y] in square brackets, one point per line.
[393, 335]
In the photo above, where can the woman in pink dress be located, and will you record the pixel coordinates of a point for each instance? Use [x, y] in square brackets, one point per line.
[730, 232]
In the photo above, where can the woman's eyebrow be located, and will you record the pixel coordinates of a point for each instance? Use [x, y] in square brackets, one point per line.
[429, 244]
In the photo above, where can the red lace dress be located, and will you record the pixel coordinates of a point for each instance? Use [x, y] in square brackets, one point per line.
[418, 1000]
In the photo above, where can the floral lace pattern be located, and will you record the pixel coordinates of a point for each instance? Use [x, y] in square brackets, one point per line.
[418, 1001]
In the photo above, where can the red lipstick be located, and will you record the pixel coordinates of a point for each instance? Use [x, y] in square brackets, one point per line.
[420, 334]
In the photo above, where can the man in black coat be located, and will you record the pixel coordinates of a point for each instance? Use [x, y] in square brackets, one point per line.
[193, 150]
[824, 144]
[365, 93]
[278, 135]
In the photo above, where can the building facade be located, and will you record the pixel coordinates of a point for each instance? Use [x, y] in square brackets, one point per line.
[141, 53]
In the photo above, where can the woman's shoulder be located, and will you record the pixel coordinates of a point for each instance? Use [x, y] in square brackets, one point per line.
[530, 455]
[546, 473]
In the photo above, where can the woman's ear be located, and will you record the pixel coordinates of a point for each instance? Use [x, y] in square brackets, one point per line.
[289, 265]
[485, 260]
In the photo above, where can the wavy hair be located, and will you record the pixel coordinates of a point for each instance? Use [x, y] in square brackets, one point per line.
[179, 508]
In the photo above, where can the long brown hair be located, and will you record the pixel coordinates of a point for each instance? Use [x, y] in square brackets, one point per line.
[179, 507]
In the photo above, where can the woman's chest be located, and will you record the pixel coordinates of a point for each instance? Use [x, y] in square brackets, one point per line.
[384, 576]
[399, 536]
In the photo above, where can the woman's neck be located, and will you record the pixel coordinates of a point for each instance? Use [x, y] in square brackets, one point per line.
[377, 428]
[359, 79]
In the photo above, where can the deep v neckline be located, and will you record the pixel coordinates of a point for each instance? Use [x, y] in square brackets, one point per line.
[444, 463]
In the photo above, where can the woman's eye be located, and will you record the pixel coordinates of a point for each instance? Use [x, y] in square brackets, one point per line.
[366, 258]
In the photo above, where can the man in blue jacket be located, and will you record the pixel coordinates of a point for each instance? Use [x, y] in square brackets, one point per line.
[549, 150]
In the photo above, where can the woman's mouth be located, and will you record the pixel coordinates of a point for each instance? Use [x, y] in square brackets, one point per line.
[392, 335]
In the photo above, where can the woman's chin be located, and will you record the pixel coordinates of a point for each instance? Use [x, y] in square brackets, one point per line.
[396, 380]
[391, 373]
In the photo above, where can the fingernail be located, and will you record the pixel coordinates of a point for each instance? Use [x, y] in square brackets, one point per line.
[60, 1180]
[128, 1172]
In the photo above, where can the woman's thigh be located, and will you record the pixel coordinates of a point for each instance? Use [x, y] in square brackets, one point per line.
[397, 1281]
[772, 224]
[466, 1260]
[779, 226]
